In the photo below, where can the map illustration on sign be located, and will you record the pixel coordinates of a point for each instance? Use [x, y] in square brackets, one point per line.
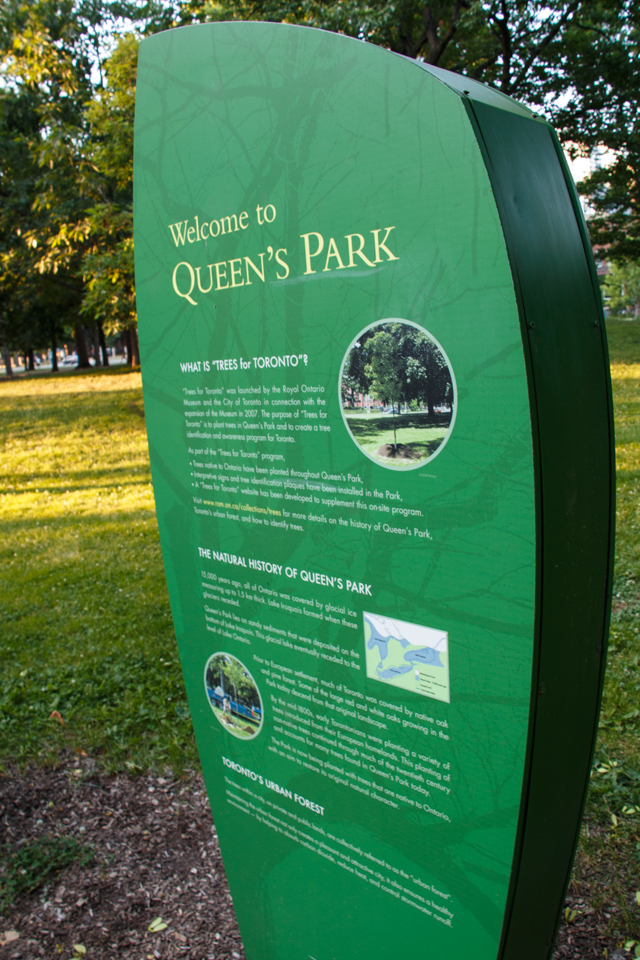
[407, 655]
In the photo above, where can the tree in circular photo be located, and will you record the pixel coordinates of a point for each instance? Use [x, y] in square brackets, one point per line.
[398, 394]
[233, 695]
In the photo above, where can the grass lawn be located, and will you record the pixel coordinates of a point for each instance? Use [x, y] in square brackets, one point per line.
[607, 869]
[240, 727]
[85, 626]
[372, 431]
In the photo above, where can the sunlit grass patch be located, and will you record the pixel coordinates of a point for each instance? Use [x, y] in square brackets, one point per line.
[374, 432]
[85, 619]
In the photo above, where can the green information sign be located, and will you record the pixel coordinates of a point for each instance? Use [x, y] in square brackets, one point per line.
[379, 419]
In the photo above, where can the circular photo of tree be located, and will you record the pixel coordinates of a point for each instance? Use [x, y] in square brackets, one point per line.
[398, 394]
[233, 695]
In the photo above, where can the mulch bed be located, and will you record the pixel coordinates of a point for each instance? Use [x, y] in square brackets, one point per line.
[156, 855]
[401, 451]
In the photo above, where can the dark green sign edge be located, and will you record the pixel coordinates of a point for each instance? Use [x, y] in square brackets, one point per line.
[564, 341]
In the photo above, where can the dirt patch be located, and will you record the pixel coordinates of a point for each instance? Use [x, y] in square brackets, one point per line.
[156, 854]
[401, 451]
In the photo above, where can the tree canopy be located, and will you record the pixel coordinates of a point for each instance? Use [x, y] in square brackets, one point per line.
[601, 110]
[397, 364]
[67, 86]
[622, 289]
[225, 671]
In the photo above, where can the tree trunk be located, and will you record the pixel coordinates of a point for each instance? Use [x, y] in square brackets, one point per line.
[81, 346]
[95, 336]
[31, 363]
[54, 346]
[127, 345]
[103, 346]
[135, 348]
[6, 356]
[429, 394]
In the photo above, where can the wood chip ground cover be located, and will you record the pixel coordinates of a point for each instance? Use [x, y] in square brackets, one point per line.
[155, 855]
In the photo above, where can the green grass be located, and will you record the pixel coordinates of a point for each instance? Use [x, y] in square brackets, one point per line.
[85, 626]
[373, 430]
[27, 867]
[607, 868]
[616, 778]
[86, 630]
[624, 340]
[243, 728]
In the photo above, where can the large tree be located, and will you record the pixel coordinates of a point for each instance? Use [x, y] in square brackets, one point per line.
[66, 116]
[66, 119]
[576, 61]
[428, 379]
[42, 97]
[622, 289]
[397, 363]
[105, 232]
[600, 112]
[518, 46]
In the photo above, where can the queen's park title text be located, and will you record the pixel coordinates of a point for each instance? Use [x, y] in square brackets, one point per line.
[321, 255]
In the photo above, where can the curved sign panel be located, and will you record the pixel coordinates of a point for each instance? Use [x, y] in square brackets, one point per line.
[378, 410]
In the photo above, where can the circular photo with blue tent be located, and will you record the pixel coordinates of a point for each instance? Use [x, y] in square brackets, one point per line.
[233, 696]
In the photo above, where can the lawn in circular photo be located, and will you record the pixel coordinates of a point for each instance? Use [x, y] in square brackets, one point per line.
[233, 696]
[398, 394]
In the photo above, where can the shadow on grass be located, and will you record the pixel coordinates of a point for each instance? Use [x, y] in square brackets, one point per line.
[127, 706]
[117, 370]
[68, 426]
[20, 534]
[60, 484]
[368, 428]
[420, 450]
